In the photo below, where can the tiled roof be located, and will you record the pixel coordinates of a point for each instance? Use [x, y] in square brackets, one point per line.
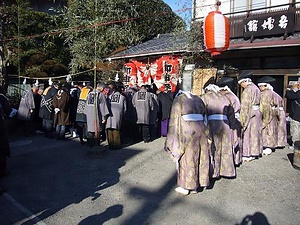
[162, 44]
[172, 43]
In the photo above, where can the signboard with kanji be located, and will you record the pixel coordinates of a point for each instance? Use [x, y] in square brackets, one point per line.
[269, 25]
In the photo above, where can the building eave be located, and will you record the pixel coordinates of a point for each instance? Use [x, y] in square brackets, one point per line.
[264, 44]
[145, 54]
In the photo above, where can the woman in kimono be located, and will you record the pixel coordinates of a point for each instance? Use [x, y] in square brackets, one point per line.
[187, 143]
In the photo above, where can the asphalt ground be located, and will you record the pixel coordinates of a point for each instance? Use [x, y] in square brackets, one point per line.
[63, 182]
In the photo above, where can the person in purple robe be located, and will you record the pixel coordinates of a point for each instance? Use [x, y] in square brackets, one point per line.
[250, 118]
[281, 120]
[220, 116]
[187, 143]
[268, 105]
[225, 85]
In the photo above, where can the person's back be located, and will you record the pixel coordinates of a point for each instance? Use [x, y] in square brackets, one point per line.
[117, 107]
[26, 105]
[187, 143]
[220, 115]
[250, 117]
[46, 107]
[143, 102]
[281, 117]
[166, 101]
[80, 115]
[269, 120]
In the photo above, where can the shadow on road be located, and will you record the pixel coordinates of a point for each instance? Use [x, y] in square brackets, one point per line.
[49, 175]
[257, 218]
[110, 213]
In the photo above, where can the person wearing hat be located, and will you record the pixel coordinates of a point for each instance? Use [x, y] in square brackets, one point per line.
[269, 119]
[224, 85]
[293, 95]
[220, 116]
[250, 117]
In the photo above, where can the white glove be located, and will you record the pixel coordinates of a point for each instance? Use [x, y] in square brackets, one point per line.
[56, 110]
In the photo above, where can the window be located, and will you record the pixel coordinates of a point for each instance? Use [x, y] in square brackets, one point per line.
[242, 5]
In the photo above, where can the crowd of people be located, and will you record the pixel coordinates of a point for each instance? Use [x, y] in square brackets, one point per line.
[208, 136]
[212, 134]
[96, 113]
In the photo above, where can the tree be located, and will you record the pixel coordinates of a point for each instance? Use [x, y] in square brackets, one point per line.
[99, 27]
[30, 39]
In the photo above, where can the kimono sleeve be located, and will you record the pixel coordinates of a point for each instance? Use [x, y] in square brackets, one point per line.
[173, 144]
[246, 108]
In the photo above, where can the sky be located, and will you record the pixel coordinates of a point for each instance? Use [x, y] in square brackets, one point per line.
[178, 7]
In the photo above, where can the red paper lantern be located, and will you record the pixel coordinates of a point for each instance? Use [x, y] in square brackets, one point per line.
[216, 33]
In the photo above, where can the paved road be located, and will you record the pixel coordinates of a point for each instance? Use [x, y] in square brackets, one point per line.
[57, 182]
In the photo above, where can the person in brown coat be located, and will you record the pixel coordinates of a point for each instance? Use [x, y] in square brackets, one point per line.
[62, 111]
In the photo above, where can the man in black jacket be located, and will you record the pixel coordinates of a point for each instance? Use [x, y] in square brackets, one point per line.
[293, 95]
